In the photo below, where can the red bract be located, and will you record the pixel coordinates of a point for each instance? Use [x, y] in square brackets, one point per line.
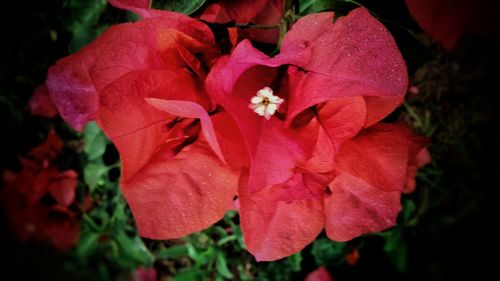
[319, 161]
[143, 84]
[320, 274]
[76, 81]
[41, 104]
[36, 200]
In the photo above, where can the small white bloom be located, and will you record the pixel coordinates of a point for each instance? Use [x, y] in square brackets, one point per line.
[265, 103]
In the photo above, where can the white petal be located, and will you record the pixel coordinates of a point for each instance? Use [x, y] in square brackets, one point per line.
[265, 92]
[256, 100]
[271, 108]
[275, 99]
[267, 115]
[260, 110]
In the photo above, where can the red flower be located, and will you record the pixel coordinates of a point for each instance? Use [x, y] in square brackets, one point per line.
[143, 84]
[36, 199]
[307, 152]
[40, 103]
[320, 274]
[322, 96]
[76, 81]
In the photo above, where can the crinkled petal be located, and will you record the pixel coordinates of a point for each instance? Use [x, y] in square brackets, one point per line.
[377, 108]
[378, 155]
[121, 49]
[138, 129]
[342, 118]
[273, 149]
[231, 141]
[173, 197]
[355, 208]
[274, 229]
[188, 109]
[354, 56]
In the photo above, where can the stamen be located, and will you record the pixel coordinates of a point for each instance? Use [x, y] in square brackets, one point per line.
[265, 103]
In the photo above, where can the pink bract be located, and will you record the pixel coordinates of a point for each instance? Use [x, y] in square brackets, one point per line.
[319, 162]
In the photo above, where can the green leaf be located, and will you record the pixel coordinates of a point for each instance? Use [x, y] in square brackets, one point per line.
[133, 250]
[408, 210]
[395, 246]
[227, 239]
[93, 175]
[327, 252]
[295, 262]
[315, 6]
[172, 252]
[191, 274]
[83, 36]
[87, 244]
[81, 18]
[221, 266]
[95, 141]
[181, 6]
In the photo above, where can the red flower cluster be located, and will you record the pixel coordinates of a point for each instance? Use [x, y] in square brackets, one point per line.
[37, 199]
[295, 137]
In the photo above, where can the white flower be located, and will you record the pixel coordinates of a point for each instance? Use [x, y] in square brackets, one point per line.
[265, 103]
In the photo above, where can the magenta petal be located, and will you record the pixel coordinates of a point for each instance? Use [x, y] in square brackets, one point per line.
[354, 56]
[273, 149]
[189, 109]
[75, 82]
[355, 208]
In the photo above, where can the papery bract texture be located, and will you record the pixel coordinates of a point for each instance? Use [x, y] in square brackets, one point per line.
[76, 81]
[144, 85]
[319, 161]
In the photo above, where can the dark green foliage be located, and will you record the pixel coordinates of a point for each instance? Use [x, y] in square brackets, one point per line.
[185, 7]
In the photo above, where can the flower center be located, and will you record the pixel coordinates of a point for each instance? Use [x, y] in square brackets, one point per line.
[264, 103]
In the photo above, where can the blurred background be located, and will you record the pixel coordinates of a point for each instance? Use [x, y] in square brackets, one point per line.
[446, 229]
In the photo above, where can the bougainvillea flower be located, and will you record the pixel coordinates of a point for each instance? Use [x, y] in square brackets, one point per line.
[36, 199]
[76, 81]
[320, 274]
[41, 104]
[318, 161]
[143, 84]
